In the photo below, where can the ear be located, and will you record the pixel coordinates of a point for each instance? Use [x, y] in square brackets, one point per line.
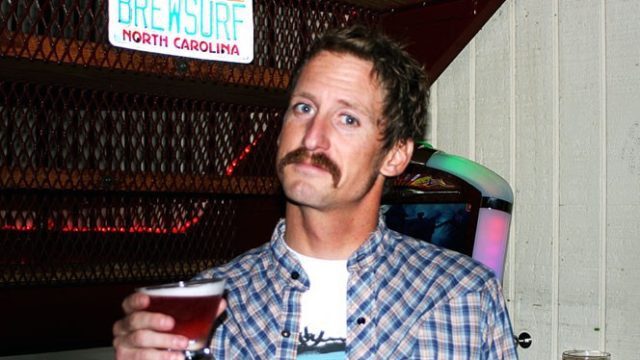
[397, 159]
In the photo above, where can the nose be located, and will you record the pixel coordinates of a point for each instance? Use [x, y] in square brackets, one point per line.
[316, 136]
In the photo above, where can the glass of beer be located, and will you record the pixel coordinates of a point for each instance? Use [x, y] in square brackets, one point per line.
[193, 306]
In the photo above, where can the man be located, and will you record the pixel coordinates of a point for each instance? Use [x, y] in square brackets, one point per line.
[334, 282]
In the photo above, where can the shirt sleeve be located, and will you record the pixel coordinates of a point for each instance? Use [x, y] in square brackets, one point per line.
[498, 340]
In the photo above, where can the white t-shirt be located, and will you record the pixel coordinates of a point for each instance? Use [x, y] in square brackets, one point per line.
[323, 318]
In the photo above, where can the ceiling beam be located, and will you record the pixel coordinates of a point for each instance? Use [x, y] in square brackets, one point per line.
[436, 32]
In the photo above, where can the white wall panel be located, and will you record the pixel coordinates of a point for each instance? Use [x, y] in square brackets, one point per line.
[580, 114]
[548, 95]
[492, 95]
[452, 125]
[534, 149]
[623, 178]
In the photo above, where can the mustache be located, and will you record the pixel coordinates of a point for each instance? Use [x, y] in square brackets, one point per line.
[317, 159]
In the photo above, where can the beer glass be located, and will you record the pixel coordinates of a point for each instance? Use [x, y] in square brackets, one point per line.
[585, 355]
[193, 306]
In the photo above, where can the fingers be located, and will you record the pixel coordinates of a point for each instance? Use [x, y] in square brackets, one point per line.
[142, 320]
[146, 344]
[135, 302]
[142, 334]
[148, 339]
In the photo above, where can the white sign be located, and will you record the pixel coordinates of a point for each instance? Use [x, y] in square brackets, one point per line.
[219, 30]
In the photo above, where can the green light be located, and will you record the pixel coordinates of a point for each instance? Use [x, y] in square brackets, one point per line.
[488, 182]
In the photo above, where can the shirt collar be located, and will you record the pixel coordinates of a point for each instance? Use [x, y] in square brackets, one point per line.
[368, 254]
[285, 263]
[372, 250]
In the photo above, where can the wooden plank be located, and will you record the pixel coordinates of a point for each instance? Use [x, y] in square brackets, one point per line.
[20, 70]
[454, 23]
[86, 53]
[453, 107]
[492, 91]
[623, 178]
[98, 66]
[88, 180]
[579, 164]
[534, 176]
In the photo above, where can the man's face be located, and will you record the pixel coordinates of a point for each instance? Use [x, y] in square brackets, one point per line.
[329, 152]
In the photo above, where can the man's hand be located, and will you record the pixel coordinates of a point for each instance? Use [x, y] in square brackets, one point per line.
[142, 335]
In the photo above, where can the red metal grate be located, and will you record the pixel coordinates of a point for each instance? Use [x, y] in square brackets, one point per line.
[119, 165]
[73, 139]
[95, 192]
[75, 32]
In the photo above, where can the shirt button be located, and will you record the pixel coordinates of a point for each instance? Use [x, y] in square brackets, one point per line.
[361, 321]
[295, 275]
[285, 333]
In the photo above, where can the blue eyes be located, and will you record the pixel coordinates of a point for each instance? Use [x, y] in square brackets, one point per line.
[350, 120]
[302, 108]
[345, 119]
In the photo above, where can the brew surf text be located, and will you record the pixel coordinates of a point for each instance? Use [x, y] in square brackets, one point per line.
[192, 28]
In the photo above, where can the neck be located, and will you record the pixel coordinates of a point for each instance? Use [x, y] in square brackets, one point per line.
[330, 234]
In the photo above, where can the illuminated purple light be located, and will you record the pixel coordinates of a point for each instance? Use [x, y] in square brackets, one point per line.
[490, 243]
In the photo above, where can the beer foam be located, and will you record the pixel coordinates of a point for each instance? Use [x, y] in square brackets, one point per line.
[185, 289]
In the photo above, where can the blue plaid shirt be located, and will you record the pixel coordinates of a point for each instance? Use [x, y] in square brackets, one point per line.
[407, 299]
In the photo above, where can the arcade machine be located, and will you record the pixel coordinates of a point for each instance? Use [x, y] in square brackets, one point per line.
[454, 203]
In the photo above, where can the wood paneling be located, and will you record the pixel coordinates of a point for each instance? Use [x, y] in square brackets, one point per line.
[622, 144]
[42, 178]
[547, 95]
[579, 152]
[436, 31]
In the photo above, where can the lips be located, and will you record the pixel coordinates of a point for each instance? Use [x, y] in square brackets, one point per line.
[304, 157]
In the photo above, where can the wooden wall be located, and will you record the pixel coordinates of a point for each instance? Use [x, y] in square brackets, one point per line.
[548, 96]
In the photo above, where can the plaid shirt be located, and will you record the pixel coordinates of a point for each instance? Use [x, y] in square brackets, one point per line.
[407, 299]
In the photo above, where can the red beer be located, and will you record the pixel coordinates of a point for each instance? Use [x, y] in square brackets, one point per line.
[193, 306]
